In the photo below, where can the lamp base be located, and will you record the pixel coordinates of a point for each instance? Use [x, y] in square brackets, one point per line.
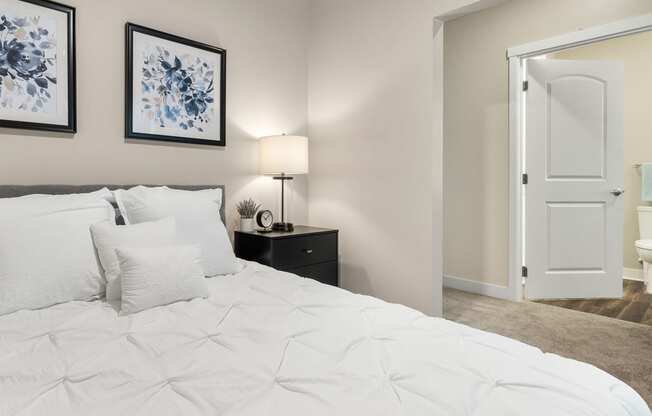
[285, 227]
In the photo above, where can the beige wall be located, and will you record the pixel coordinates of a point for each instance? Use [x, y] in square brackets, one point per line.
[374, 158]
[636, 53]
[475, 124]
[371, 117]
[374, 161]
[266, 94]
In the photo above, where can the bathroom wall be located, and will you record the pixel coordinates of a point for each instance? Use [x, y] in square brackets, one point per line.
[636, 52]
[476, 121]
[266, 41]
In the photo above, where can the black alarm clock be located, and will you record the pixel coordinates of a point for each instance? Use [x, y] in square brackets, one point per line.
[265, 219]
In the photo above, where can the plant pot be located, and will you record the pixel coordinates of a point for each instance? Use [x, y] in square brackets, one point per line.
[246, 224]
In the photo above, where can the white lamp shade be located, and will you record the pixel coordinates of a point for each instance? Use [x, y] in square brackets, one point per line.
[284, 154]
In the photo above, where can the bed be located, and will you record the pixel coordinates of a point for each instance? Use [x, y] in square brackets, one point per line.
[267, 342]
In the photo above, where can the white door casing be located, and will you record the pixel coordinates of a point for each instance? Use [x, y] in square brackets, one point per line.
[574, 161]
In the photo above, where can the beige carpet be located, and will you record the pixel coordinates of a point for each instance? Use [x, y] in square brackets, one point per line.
[620, 348]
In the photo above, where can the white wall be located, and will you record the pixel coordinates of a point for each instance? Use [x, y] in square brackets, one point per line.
[476, 135]
[266, 94]
[373, 152]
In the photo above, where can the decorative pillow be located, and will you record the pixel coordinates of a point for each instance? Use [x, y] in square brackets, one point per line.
[160, 276]
[197, 217]
[108, 236]
[46, 251]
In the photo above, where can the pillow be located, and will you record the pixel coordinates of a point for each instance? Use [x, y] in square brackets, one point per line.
[136, 206]
[46, 251]
[160, 276]
[103, 193]
[38, 204]
[108, 236]
[197, 218]
[211, 194]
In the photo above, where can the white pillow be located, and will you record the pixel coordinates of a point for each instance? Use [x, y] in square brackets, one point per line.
[137, 204]
[197, 214]
[103, 193]
[160, 276]
[46, 251]
[210, 194]
[108, 236]
[39, 204]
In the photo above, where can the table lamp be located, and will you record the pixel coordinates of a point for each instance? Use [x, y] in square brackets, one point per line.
[282, 157]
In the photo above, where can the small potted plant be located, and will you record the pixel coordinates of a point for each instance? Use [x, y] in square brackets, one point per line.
[247, 210]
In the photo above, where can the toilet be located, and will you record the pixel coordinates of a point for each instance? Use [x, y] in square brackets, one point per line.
[644, 245]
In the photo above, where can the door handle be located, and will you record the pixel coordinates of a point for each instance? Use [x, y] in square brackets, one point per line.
[617, 192]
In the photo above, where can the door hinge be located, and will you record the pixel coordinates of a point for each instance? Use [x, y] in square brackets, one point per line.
[526, 85]
[524, 179]
[524, 271]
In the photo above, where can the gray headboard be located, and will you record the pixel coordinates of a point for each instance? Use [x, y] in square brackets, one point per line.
[12, 191]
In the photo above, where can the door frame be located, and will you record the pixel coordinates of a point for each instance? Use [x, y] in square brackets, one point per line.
[516, 57]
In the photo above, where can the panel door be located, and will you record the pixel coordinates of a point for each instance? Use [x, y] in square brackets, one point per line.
[574, 160]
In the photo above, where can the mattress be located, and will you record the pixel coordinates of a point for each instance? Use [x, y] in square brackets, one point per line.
[272, 343]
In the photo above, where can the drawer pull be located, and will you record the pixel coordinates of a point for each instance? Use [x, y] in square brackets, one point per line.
[307, 250]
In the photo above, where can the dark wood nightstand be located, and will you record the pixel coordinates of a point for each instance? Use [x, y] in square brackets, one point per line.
[308, 251]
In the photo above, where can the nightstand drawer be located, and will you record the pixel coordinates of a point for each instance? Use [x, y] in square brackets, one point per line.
[304, 251]
[326, 273]
[309, 252]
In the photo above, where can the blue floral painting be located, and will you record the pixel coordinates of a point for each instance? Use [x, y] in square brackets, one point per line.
[177, 90]
[28, 64]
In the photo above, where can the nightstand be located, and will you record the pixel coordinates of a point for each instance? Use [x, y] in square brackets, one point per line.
[307, 251]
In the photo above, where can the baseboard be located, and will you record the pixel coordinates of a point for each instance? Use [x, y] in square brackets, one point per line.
[633, 274]
[502, 292]
[480, 288]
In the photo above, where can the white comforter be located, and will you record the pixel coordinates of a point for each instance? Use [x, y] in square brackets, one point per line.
[271, 343]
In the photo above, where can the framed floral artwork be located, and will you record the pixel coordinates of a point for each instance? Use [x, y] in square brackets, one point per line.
[37, 66]
[175, 88]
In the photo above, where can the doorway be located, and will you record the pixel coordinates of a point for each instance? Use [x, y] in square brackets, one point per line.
[571, 173]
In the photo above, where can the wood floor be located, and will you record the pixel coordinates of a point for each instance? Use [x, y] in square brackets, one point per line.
[635, 306]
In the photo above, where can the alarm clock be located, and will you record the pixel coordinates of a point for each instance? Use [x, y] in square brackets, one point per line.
[265, 219]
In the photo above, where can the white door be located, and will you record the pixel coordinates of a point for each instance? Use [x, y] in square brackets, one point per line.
[574, 162]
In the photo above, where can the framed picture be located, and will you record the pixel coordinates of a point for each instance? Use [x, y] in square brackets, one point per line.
[175, 88]
[37, 66]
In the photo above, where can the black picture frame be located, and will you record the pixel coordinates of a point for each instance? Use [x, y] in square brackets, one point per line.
[71, 125]
[130, 29]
